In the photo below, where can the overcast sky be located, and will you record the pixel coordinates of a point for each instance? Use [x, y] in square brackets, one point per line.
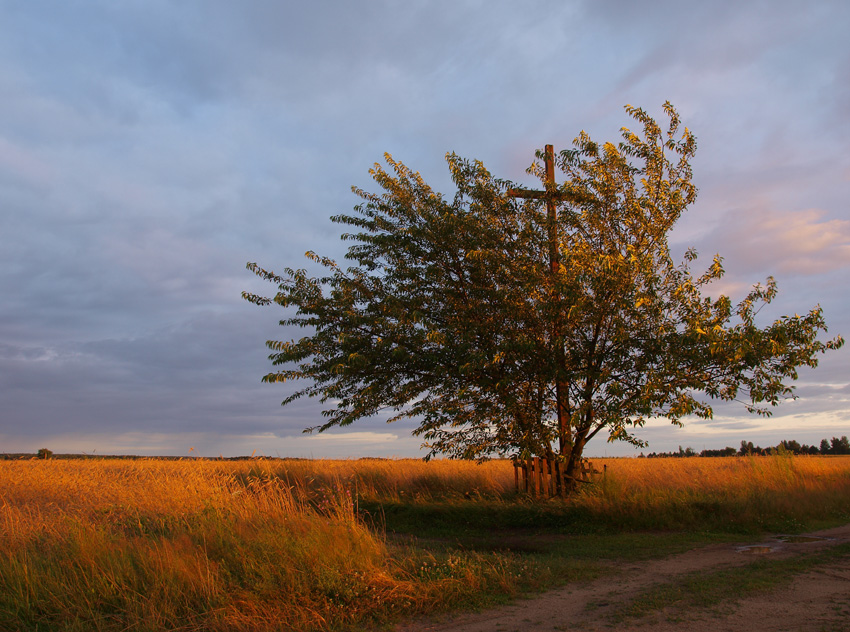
[149, 149]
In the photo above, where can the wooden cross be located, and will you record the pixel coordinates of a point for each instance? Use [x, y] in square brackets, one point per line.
[552, 197]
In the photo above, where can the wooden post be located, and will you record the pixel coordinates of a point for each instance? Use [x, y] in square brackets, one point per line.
[538, 487]
[552, 196]
[535, 472]
[516, 476]
[544, 478]
[557, 466]
[564, 487]
[541, 463]
[550, 465]
[562, 481]
[541, 477]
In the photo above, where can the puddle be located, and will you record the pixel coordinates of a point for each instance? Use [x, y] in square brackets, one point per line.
[799, 538]
[756, 549]
[764, 549]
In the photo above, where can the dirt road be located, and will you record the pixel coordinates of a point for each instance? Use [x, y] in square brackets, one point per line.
[817, 599]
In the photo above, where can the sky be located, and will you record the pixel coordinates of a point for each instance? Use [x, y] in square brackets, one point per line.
[150, 149]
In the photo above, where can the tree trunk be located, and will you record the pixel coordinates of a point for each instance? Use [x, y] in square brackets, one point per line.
[574, 461]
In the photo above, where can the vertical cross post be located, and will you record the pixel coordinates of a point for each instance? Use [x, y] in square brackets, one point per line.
[552, 196]
[551, 210]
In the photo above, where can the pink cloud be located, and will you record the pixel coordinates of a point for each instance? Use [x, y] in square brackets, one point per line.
[800, 243]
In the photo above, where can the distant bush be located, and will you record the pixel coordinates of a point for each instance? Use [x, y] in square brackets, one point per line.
[44, 453]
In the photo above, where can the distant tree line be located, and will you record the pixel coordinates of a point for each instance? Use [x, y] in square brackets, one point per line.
[834, 446]
[44, 453]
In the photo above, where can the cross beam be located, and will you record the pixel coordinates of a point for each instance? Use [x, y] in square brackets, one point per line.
[552, 197]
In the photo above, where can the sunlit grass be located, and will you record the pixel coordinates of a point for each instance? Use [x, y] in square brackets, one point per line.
[277, 545]
[152, 545]
[778, 492]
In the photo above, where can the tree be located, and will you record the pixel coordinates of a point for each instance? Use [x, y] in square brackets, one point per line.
[453, 312]
[791, 446]
[839, 446]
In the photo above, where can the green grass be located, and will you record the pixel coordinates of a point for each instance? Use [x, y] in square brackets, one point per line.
[708, 590]
[547, 529]
[554, 543]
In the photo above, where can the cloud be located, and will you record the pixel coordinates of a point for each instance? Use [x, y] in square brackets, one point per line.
[214, 443]
[795, 243]
[352, 437]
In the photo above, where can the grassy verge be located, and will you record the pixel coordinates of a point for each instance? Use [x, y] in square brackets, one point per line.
[710, 589]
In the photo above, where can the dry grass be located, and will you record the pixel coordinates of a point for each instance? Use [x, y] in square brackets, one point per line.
[399, 479]
[152, 545]
[780, 492]
[277, 545]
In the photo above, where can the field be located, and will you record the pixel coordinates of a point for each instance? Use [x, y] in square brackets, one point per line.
[300, 545]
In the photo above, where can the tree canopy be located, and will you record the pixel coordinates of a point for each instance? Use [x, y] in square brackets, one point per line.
[488, 319]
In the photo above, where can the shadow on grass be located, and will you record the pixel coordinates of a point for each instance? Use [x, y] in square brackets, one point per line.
[545, 531]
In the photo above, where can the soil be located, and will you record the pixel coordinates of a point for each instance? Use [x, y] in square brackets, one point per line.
[816, 600]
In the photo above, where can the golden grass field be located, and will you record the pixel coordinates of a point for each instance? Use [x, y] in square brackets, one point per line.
[283, 544]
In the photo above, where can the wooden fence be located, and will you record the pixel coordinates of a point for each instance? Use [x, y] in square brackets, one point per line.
[540, 476]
